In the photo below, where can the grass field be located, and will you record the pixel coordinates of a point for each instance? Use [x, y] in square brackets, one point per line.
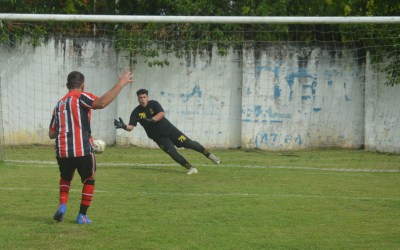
[325, 199]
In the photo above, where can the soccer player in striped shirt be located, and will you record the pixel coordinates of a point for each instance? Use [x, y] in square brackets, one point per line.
[70, 127]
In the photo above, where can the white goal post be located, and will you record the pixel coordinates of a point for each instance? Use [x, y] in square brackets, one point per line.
[286, 83]
[202, 19]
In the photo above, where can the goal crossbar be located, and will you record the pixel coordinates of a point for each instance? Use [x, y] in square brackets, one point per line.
[201, 19]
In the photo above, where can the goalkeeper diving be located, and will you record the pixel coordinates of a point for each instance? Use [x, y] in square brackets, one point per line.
[151, 115]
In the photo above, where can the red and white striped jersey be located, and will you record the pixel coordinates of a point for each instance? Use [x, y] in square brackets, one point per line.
[71, 120]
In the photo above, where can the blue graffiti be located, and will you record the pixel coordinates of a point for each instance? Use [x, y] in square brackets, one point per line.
[266, 138]
[277, 91]
[290, 81]
[346, 97]
[299, 140]
[195, 92]
[263, 68]
[248, 91]
[331, 73]
[287, 139]
[270, 138]
[248, 120]
[277, 115]
[257, 110]
[316, 110]
[275, 69]
[311, 86]
[302, 73]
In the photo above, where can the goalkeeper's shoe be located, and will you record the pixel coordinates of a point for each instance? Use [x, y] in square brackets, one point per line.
[214, 159]
[83, 219]
[192, 170]
[59, 215]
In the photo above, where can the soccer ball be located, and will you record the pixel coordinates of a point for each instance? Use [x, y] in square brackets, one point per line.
[99, 146]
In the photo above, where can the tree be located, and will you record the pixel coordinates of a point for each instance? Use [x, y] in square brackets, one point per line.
[139, 38]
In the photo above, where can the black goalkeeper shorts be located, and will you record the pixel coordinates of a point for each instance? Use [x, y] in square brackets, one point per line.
[175, 136]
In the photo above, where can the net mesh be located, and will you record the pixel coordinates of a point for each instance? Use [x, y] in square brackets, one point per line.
[270, 86]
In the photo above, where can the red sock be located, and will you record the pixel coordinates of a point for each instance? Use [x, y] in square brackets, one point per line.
[64, 190]
[87, 194]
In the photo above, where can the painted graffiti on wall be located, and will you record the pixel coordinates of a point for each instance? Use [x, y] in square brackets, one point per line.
[272, 138]
[287, 97]
[289, 101]
[264, 112]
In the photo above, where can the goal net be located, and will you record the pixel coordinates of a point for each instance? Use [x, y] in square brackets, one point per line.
[266, 85]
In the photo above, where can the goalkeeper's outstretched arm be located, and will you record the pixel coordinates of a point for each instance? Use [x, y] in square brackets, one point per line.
[120, 124]
[129, 127]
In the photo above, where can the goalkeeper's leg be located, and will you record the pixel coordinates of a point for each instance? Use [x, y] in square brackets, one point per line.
[181, 140]
[168, 147]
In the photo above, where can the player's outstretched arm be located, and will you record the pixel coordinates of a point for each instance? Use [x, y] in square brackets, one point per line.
[120, 124]
[159, 116]
[107, 98]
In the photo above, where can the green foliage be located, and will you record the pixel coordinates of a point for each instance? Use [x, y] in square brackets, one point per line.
[4, 36]
[393, 73]
[144, 39]
[37, 35]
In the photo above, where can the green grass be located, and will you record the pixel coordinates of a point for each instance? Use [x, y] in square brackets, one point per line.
[253, 200]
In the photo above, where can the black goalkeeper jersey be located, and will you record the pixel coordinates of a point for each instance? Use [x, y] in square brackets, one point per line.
[153, 130]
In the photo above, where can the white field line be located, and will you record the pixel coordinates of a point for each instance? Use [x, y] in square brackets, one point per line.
[221, 165]
[302, 196]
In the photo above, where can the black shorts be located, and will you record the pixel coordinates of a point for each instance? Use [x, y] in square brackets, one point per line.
[86, 166]
[175, 136]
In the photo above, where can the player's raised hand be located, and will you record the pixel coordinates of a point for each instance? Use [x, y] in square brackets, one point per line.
[119, 124]
[126, 77]
[104, 100]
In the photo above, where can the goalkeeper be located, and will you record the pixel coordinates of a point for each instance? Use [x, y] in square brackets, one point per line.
[151, 115]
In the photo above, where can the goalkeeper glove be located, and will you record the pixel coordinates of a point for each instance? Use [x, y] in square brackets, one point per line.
[119, 124]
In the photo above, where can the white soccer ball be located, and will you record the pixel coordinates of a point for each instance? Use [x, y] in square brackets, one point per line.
[99, 146]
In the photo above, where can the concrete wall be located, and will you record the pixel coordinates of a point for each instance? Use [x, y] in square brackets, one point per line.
[280, 98]
[201, 95]
[382, 113]
[296, 98]
[33, 80]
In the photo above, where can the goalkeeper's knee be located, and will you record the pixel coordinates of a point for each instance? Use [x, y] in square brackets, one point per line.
[169, 149]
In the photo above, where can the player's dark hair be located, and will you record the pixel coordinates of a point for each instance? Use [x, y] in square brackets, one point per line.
[142, 91]
[75, 80]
